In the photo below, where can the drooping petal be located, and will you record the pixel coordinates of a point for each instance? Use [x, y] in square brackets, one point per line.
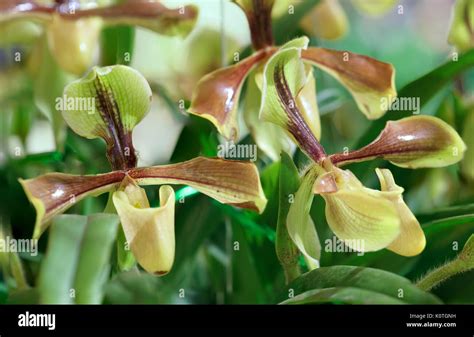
[144, 13]
[370, 81]
[361, 217]
[54, 193]
[286, 97]
[411, 142]
[228, 181]
[149, 231]
[327, 20]
[270, 138]
[299, 223]
[259, 17]
[107, 103]
[216, 96]
[411, 240]
[461, 33]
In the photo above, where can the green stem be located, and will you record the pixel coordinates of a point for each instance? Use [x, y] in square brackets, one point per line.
[462, 263]
[18, 272]
[439, 275]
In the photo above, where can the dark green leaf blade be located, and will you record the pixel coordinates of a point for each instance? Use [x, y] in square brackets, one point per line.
[374, 280]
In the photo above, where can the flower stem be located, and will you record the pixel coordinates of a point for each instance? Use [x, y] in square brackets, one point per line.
[462, 263]
[439, 275]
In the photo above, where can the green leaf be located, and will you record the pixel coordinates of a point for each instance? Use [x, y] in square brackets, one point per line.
[117, 45]
[93, 268]
[373, 280]
[342, 295]
[244, 259]
[77, 259]
[195, 221]
[447, 223]
[446, 213]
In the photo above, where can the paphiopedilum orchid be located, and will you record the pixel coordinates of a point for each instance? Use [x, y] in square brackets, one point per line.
[364, 219]
[122, 97]
[73, 26]
[217, 94]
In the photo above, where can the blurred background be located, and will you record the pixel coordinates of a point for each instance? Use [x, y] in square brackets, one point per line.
[224, 255]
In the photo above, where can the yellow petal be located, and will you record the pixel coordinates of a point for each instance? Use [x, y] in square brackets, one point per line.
[370, 81]
[299, 223]
[361, 217]
[411, 240]
[149, 231]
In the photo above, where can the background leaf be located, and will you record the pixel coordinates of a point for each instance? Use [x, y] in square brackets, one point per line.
[369, 279]
[79, 250]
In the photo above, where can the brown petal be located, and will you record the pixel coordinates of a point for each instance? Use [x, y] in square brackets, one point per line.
[15, 9]
[228, 181]
[148, 14]
[412, 142]
[217, 95]
[371, 82]
[54, 193]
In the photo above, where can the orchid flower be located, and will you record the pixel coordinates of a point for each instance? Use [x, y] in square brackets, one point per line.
[72, 27]
[364, 219]
[122, 98]
[217, 94]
